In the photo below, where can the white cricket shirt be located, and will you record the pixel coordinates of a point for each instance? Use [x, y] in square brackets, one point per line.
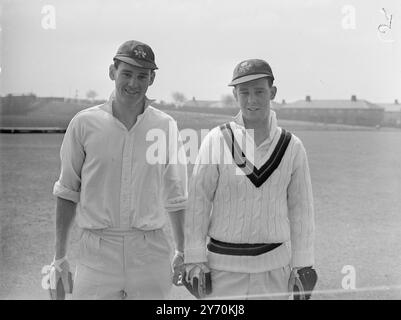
[105, 169]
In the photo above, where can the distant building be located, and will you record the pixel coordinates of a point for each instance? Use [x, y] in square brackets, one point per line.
[351, 112]
[17, 104]
[392, 114]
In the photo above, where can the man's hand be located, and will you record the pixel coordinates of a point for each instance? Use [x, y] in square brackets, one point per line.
[178, 268]
[301, 282]
[197, 279]
[60, 279]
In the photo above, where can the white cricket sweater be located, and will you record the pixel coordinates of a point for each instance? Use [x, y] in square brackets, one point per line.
[225, 205]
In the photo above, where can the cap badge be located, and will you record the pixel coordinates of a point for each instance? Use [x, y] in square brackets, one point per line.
[140, 53]
[244, 67]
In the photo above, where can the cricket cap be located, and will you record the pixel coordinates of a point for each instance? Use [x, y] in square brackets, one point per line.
[249, 70]
[137, 54]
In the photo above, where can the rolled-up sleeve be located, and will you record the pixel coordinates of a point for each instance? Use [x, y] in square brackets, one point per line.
[175, 175]
[72, 157]
[301, 211]
[202, 189]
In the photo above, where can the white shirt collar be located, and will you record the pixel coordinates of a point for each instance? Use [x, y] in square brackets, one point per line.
[238, 119]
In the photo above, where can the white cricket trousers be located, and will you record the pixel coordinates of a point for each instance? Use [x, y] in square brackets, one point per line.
[115, 264]
[269, 285]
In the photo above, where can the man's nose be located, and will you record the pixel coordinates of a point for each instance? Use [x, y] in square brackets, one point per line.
[251, 99]
[132, 82]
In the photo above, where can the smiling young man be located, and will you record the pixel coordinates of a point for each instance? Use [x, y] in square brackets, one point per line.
[257, 208]
[117, 196]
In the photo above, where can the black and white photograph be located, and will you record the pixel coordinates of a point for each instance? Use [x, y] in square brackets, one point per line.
[200, 150]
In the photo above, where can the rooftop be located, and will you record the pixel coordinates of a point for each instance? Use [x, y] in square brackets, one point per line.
[353, 103]
[391, 107]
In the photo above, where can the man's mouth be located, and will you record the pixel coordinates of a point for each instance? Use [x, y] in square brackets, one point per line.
[252, 108]
[130, 92]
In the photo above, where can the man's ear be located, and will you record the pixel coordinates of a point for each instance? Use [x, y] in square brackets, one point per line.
[112, 71]
[273, 92]
[152, 77]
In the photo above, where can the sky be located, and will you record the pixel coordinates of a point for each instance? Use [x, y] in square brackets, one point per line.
[328, 49]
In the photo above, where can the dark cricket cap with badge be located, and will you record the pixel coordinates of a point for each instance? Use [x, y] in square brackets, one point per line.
[249, 70]
[137, 54]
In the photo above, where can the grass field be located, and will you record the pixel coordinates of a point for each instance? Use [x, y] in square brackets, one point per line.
[356, 178]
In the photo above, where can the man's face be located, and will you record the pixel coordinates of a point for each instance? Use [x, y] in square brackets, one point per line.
[131, 82]
[254, 97]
